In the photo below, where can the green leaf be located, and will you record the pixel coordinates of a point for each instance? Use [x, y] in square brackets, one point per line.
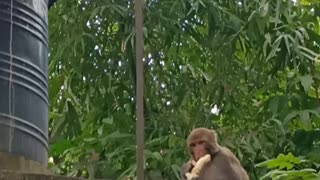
[274, 49]
[280, 124]
[191, 70]
[287, 44]
[281, 162]
[306, 82]
[305, 117]
[117, 135]
[60, 147]
[273, 105]
[108, 120]
[157, 155]
[278, 11]
[95, 12]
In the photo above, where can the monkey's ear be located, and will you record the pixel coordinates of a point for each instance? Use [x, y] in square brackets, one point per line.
[214, 134]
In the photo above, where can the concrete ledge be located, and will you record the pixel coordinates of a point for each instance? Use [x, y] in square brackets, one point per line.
[13, 175]
[17, 163]
[14, 167]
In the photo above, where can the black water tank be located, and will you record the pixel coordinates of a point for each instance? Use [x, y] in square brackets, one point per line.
[24, 78]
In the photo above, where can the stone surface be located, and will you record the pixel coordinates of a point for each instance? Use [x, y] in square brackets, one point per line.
[14, 175]
[13, 162]
[13, 167]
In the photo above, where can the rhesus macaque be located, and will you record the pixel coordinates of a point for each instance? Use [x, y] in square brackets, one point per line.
[223, 164]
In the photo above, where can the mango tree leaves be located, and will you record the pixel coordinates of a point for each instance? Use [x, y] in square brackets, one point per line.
[255, 62]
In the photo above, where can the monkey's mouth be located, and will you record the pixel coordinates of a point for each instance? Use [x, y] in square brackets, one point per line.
[197, 156]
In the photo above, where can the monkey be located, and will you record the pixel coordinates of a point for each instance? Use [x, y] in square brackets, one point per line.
[223, 164]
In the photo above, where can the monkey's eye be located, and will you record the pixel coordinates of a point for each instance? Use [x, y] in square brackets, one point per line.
[192, 145]
[201, 142]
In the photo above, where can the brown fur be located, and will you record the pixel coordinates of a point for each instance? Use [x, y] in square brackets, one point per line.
[224, 165]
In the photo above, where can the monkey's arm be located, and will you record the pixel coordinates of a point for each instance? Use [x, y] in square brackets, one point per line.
[186, 167]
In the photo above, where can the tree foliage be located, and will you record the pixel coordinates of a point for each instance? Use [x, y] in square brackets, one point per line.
[246, 68]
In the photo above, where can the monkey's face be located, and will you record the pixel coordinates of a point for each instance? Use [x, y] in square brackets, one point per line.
[202, 141]
[198, 149]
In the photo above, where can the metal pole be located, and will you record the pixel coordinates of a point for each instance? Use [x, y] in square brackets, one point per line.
[139, 88]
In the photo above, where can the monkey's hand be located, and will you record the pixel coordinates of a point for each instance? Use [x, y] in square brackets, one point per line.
[201, 163]
[191, 176]
[198, 166]
[204, 160]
